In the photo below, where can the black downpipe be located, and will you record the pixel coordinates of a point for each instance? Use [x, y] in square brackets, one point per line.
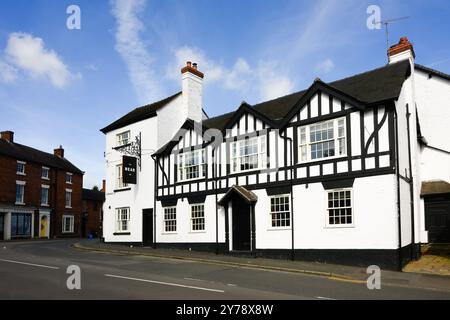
[291, 143]
[155, 193]
[397, 172]
[411, 188]
[215, 192]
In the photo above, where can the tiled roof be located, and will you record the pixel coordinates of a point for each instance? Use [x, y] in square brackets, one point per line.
[139, 114]
[25, 153]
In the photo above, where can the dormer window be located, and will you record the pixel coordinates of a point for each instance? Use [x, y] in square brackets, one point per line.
[326, 139]
[123, 138]
[21, 168]
[191, 165]
[248, 154]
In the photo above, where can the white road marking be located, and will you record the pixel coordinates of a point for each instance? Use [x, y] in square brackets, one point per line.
[325, 298]
[30, 264]
[163, 283]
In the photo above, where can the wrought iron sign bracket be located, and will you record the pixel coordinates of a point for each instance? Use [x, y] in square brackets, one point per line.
[133, 149]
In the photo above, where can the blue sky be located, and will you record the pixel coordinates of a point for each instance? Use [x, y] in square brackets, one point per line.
[60, 86]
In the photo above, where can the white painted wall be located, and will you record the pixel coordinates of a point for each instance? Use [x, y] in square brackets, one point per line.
[375, 222]
[184, 233]
[141, 195]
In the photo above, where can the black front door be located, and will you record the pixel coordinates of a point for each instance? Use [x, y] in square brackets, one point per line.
[437, 218]
[147, 225]
[2, 226]
[241, 225]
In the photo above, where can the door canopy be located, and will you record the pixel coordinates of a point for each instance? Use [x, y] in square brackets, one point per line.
[244, 194]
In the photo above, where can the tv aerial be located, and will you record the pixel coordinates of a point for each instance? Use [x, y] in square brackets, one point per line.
[386, 23]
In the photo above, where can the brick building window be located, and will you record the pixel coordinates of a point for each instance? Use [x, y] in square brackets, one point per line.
[20, 192]
[69, 178]
[44, 195]
[21, 168]
[45, 173]
[67, 224]
[68, 198]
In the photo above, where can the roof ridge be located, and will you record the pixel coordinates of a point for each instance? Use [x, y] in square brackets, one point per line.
[366, 72]
[159, 101]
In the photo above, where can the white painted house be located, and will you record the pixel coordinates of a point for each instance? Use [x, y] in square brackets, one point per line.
[356, 171]
[128, 208]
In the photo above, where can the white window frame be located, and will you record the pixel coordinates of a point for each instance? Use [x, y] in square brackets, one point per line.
[273, 212]
[71, 225]
[170, 219]
[46, 187]
[183, 168]
[23, 164]
[69, 178]
[123, 138]
[45, 169]
[327, 215]
[119, 178]
[22, 184]
[68, 191]
[119, 219]
[237, 158]
[305, 145]
[192, 219]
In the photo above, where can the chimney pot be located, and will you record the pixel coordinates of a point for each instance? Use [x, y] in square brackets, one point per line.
[188, 63]
[194, 65]
[7, 135]
[103, 186]
[401, 47]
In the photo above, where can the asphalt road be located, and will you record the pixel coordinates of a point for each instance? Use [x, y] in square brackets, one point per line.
[37, 270]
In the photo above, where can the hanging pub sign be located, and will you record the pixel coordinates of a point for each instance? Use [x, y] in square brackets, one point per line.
[129, 170]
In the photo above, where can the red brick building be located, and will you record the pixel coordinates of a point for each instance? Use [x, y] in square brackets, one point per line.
[40, 193]
[92, 212]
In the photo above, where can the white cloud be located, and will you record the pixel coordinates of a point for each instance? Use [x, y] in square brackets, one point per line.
[265, 79]
[325, 66]
[28, 54]
[8, 74]
[133, 49]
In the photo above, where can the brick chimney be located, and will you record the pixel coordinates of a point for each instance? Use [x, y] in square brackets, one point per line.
[403, 50]
[8, 136]
[192, 86]
[103, 186]
[59, 152]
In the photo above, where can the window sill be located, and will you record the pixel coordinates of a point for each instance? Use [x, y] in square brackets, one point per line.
[342, 156]
[67, 232]
[121, 233]
[20, 203]
[69, 183]
[21, 174]
[346, 226]
[280, 229]
[68, 207]
[191, 180]
[247, 171]
[122, 189]
[169, 233]
[199, 231]
[45, 205]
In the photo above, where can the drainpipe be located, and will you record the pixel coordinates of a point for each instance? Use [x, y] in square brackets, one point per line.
[411, 187]
[215, 192]
[291, 143]
[397, 172]
[155, 193]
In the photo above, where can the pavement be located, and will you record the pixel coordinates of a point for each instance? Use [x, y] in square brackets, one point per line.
[42, 269]
[435, 260]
